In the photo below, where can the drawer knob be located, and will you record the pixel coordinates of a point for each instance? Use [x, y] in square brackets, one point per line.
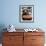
[11, 38]
[33, 39]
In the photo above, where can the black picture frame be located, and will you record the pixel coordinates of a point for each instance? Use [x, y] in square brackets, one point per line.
[26, 13]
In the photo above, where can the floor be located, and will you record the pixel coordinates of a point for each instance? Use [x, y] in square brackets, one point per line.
[0, 44]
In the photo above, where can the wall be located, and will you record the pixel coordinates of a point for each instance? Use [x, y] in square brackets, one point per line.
[9, 13]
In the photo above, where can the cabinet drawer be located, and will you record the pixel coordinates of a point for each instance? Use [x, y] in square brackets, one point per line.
[37, 44]
[8, 44]
[33, 40]
[12, 39]
[13, 33]
[37, 39]
[34, 33]
[12, 44]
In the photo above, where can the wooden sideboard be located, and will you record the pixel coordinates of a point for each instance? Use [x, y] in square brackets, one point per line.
[23, 38]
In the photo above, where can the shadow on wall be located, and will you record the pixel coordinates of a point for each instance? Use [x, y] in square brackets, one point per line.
[2, 26]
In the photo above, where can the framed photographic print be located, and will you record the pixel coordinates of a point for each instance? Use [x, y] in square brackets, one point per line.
[26, 13]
